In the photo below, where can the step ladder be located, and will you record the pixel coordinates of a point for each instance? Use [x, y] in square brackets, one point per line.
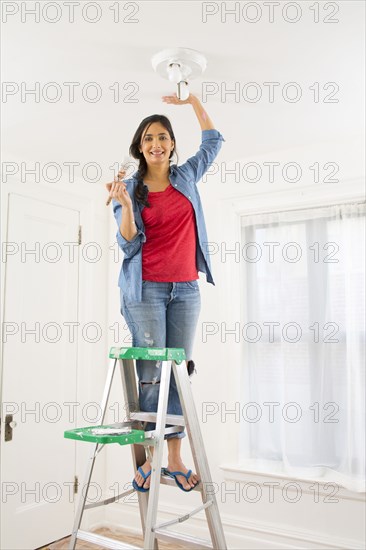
[131, 433]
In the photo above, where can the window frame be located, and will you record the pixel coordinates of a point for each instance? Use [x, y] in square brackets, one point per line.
[266, 200]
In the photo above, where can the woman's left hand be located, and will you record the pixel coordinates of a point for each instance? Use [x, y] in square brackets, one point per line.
[173, 99]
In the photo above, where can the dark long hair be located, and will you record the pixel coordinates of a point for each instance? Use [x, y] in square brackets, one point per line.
[141, 191]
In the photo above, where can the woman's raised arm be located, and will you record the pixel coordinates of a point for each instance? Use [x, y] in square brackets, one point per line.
[203, 118]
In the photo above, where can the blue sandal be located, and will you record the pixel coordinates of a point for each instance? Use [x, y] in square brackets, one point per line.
[177, 473]
[145, 476]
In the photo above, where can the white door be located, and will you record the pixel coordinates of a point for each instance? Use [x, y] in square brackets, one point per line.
[39, 372]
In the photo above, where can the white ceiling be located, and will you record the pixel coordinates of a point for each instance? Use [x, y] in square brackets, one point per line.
[106, 52]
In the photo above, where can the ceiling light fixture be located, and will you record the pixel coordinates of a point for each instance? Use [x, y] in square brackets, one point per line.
[179, 65]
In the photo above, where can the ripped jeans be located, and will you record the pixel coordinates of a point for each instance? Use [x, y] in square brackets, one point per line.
[166, 317]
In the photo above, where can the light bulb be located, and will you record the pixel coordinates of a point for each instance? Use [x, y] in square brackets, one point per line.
[183, 90]
[174, 73]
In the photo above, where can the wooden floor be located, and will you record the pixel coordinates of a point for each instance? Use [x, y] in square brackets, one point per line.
[136, 540]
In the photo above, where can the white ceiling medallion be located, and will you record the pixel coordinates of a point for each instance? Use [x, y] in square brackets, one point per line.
[179, 65]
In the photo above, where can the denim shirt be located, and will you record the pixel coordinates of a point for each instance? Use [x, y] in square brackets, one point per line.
[184, 179]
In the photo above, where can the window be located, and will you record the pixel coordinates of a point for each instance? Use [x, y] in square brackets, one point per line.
[304, 341]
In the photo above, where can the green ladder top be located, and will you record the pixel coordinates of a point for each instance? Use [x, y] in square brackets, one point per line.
[152, 354]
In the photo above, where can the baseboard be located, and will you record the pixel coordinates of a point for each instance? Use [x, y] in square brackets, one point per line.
[240, 534]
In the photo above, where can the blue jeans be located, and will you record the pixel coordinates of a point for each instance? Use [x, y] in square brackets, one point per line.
[165, 318]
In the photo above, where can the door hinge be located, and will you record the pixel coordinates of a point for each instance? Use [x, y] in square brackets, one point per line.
[76, 485]
[79, 235]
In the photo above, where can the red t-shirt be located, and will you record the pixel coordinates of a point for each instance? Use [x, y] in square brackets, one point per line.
[169, 253]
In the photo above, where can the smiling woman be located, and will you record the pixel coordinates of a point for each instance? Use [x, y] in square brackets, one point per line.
[163, 236]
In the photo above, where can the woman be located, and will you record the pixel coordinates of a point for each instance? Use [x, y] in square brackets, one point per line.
[163, 236]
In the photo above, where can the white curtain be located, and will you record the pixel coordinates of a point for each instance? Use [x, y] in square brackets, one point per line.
[303, 380]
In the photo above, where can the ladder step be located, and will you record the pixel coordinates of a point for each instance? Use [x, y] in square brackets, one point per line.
[96, 434]
[167, 480]
[175, 419]
[108, 500]
[105, 542]
[180, 519]
[174, 536]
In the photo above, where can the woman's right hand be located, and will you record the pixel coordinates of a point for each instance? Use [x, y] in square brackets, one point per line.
[118, 190]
